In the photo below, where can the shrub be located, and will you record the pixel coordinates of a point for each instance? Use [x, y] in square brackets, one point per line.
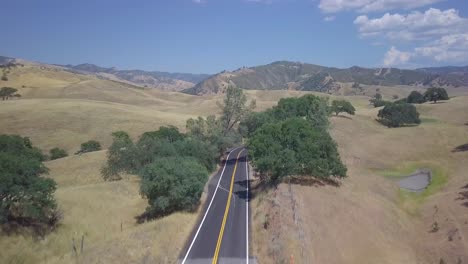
[57, 153]
[7, 92]
[171, 184]
[26, 198]
[396, 115]
[415, 97]
[89, 146]
[340, 106]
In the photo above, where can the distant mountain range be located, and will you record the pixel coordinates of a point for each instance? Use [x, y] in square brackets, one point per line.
[151, 79]
[283, 75]
[280, 75]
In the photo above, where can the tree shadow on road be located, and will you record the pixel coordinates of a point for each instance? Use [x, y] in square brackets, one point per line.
[245, 195]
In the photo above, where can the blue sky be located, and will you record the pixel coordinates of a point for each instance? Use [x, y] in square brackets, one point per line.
[208, 36]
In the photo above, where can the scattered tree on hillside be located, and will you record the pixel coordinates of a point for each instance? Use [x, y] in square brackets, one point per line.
[342, 106]
[57, 153]
[4, 77]
[415, 97]
[395, 97]
[397, 115]
[121, 156]
[7, 92]
[234, 108]
[26, 198]
[436, 94]
[378, 96]
[89, 146]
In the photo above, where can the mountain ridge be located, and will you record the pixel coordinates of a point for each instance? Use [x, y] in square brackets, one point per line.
[282, 75]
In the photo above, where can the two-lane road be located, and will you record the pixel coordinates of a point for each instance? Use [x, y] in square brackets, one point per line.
[222, 234]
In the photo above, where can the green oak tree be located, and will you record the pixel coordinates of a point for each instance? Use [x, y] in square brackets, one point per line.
[435, 94]
[415, 97]
[397, 115]
[26, 198]
[172, 184]
[234, 108]
[7, 92]
[342, 106]
[294, 147]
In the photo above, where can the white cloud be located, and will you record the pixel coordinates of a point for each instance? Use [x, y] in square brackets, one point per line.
[329, 18]
[394, 57]
[199, 1]
[438, 35]
[415, 25]
[365, 6]
[449, 48]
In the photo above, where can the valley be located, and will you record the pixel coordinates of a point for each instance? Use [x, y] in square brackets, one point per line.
[367, 219]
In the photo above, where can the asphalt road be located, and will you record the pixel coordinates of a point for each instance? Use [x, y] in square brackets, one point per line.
[222, 234]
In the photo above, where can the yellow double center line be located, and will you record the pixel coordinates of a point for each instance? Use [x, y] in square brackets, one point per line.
[226, 212]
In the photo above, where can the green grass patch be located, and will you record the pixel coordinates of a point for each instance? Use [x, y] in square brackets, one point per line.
[411, 201]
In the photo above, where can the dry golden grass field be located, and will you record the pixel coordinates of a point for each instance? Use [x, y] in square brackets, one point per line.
[365, 220]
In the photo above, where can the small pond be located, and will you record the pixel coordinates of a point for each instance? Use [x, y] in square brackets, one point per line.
[416, 182]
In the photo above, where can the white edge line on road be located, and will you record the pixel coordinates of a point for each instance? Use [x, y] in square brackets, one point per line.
[247, 210]
[208, 209]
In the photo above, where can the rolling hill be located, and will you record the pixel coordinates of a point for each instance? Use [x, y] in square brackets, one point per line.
[285, 75]
[164, 81]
